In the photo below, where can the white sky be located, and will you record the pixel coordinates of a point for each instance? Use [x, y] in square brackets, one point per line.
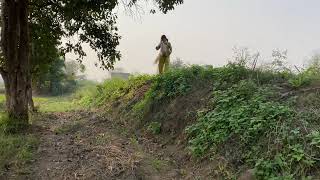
[205, 31]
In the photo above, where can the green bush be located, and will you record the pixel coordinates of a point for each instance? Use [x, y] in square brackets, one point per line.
[180, 81]
[250, 115]
[244, 110]
[307, 76]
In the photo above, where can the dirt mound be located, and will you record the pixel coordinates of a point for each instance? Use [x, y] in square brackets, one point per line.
[175, 114]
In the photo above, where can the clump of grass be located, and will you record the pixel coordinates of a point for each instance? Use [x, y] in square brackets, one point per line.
[67, 128]
[12, 125]
[154, 127]
[159, 164]
[102, 139]
[15, 149]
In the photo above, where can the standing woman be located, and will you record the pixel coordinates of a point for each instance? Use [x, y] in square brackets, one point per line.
[163, 58]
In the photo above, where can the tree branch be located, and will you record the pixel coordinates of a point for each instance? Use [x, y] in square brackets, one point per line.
[291, 93]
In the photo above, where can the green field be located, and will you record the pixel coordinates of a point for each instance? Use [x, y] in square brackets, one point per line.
[49, 104]
[55, 104]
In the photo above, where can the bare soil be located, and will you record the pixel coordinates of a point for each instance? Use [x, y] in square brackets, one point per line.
[87, 145]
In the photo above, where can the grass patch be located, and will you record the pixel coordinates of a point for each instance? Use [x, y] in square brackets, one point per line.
[154, 128]
[102, 139]
[159, 164]
[2, 102]
[110, 91]
[55, 104]
[16, 150]
[49, 104]
[70, 127]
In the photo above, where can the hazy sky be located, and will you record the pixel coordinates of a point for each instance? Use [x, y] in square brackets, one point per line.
[205, 31]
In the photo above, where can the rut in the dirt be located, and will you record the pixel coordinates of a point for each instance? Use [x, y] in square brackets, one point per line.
[82, 145]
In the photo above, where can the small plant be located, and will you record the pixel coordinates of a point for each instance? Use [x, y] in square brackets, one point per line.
[74, 126]
[300, 80]
[159, 164]
[314, 136]
[102, 139]
[154, 128]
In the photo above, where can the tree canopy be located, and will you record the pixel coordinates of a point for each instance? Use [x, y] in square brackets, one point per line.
[85, 21]
[51, 22]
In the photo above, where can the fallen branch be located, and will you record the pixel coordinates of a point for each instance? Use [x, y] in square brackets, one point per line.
[291, 93]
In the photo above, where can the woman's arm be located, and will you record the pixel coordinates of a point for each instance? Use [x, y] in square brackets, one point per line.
[158, 47]
[170, 47]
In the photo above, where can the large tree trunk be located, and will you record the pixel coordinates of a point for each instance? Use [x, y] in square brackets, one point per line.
[15, 47]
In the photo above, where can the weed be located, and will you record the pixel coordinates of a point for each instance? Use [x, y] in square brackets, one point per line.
[154, 127]
[102, 139]
[134, 142]
[159, 164]
[300, 80]
[72, 127]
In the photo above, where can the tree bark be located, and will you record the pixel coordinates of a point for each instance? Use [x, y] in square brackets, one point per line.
[29, 96]
[15, 47]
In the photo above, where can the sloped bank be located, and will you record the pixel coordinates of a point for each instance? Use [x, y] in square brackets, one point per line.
[230, 119]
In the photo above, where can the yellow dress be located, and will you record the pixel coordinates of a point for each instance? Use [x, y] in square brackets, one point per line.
[163, 58]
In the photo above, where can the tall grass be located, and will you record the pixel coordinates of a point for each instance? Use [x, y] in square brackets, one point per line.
[246, 121]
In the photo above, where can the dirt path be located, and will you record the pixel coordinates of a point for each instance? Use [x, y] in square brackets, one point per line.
[83, 145]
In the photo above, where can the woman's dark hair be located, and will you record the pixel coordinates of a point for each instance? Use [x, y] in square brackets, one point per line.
[164, 37]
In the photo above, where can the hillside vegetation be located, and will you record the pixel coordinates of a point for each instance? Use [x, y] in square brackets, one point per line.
[234, 117]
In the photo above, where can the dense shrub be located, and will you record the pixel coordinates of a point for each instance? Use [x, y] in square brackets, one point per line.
[263, 129]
